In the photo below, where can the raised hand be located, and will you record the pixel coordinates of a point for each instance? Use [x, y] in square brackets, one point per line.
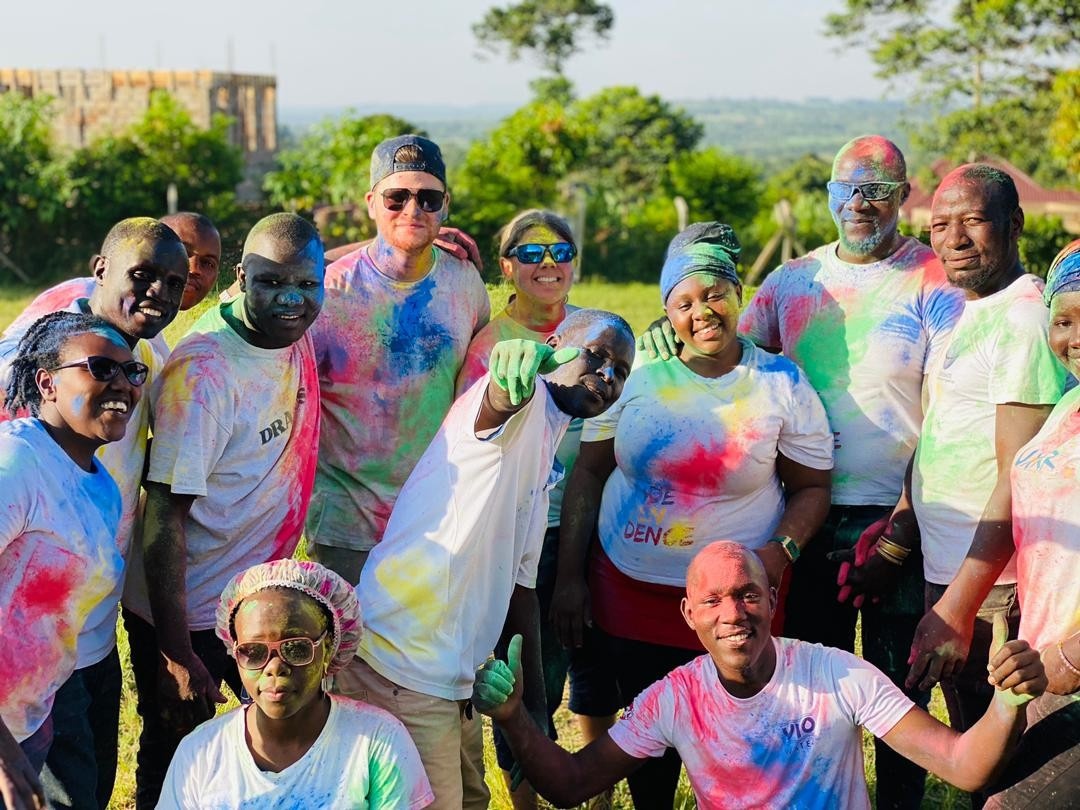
[514, 365]
[659, 340]
[1014, 668]
[498, 686]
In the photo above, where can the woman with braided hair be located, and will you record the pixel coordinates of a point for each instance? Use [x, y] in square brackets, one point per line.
[291, 625]
[59, 510]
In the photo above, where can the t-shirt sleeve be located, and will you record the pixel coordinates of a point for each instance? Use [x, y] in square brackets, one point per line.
[191, 427]
[760, 321]
[482, 301]
[645, 728]
[475, 365]
[396, 774]
[805, 436]
[18, 499]
[869, 698]
[1023, 369]
[943, 308]
[176, 792]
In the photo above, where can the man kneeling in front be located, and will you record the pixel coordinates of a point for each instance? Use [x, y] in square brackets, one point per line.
[763, 721]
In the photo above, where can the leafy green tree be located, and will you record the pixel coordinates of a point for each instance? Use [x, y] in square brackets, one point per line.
[1043, 237]
[128, 174]
[33, 187]
[997, 59]
[978, 50]
[1065, 128]
[331, 162]
[551, 31]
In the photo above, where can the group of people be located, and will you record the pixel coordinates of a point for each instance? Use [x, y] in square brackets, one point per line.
[884, 429]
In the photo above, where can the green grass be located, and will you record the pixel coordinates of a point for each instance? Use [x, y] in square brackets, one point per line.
[639, 304]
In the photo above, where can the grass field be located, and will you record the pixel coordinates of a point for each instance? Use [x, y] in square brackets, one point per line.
[639, 304]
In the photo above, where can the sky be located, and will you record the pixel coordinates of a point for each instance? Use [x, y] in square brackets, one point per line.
[361, 53]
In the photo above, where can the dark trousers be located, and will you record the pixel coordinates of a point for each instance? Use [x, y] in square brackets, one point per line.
[814, 615]
[81, 766]
[158, 742]
[638, 665]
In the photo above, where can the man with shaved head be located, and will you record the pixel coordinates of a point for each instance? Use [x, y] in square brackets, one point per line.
[137, 283]
[989, 392]
[862, 316]
[761, 721]
[203, 244]
[236, 428]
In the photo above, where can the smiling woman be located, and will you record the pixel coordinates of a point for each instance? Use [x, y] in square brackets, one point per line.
[59, 516]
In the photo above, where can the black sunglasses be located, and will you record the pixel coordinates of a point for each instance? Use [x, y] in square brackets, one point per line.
[296, 652]
[104, 369]
[871, 192]
[534, 253]
[429, 199]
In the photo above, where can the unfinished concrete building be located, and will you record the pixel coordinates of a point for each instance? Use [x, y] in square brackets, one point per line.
[89, 103]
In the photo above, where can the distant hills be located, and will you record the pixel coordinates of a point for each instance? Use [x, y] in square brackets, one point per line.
[767, 130]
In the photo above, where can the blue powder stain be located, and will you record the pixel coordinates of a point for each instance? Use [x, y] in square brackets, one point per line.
[415, 339]
[778, 364]
[904, 325]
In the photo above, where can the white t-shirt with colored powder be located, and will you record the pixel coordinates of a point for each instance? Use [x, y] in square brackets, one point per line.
[997, 354]
[58, 562]
[125, 459]
[863, 333]
[796, 743]
[468, 527]
[388, 354]
[363, 759]
[1046, 527]
[503, 327]
[696, 459]
[226, 416]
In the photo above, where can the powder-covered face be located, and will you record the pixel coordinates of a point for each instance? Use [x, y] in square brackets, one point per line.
[279, 690]
[86, 407]
[974, 239]
[1064, 336]
[283, 290]
[591, 383]
[730, 606]
[141, 286]
[704, 312]
[549, 281]
[411, 229]
[862, 225]
[204, 259]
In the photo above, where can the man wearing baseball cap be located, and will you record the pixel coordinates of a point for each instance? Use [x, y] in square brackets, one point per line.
[397, 320]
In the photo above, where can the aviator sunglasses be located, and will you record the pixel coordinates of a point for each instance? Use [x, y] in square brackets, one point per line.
[104, 369]
[429, 199]
[296, 652]
[871, 192]
[534, 254]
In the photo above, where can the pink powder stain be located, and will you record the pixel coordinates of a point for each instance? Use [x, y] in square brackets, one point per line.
[47, 591]
[708, 466]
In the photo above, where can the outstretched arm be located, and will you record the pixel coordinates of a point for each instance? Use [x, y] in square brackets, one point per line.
[513, 368]
[564, 779]
[971, 760]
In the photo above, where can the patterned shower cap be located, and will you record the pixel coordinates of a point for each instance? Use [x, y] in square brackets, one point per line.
[1064, 273]
[310, 579]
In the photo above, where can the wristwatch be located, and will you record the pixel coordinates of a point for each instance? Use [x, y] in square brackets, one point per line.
[788, 544]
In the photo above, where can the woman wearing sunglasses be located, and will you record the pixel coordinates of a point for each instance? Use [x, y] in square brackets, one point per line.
[291, 625]
[59, 515]
[721, 441]
[538, 257]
